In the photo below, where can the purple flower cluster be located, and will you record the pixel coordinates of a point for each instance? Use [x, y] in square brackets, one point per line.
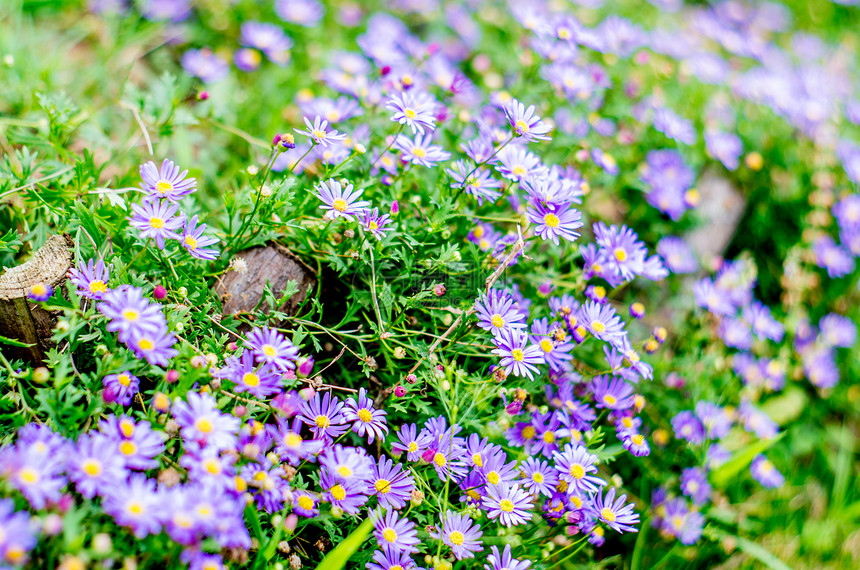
[139, 324]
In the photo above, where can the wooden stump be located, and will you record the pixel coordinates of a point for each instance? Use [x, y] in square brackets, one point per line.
[272, 263]
[22, 320]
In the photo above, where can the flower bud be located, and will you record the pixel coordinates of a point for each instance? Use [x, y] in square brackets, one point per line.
[291, 522]
[102, 544]
[182, 291]
[411, 379]
[41, 375]
[203, 95]
[180, 327]
[240, 411]
[445, 385]
[52, 525]
[63, 325]
[439, 289]
[171, 376]
[399, 391]
[159, 292]
[395, 207]
[399, 352]
[197, 361]
[161, 402]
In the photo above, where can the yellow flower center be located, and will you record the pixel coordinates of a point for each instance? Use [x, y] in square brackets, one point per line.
[528, 432]
[250, 379]
[413, 446]
[638, 439]
[163, 186]
[372, 225]
[365, 415]
[339, 205]
[145, 344]
[321, 421]
[190, 242]
[306, 502]
[518, 170]
[546, 345]
[124, 379]
[204, 425]
[497, 321]
[420, 152]
[493, 478]
[382, 486]
[456, 538]
[344, 471]
[522, 127]
[549, 437]
[156, 223]
[338, 492]
[98, 286]
[517, 355]
[609, 400]
[439, 460]
[293, 440]
[389, 535]
[130, 315]
[506, 505]
[409, 113]
[537, 477]
[551, 220]
[577, 471]
[478, 460]
[92, 467]
[598, 326]
[212, 466]
[127, 448]
[599, 291]
[318, 134]
[607, 514]
[620, 254]
[269, 350]
[28, 475]
[126, 427]
[135, 509]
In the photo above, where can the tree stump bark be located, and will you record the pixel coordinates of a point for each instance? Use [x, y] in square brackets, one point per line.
[272, 263]
[22, 320]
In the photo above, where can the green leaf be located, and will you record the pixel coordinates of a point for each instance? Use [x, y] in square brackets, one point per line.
[722, 475]
[13, 342]
[337, 558]
[754, 550]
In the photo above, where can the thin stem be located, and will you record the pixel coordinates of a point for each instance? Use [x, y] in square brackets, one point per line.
[381, 154]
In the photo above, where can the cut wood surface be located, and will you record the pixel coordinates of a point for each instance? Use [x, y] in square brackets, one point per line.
[21, 319]
[273, 264]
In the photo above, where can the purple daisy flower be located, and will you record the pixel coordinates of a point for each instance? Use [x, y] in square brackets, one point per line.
[95, 465]
[291, 446]
[517, 356]
[19, 534]
[154, 347]
[391, 484]
[725, 147]
[37, 476]
[268, 38]
[209, 467]
[201, 421]
[306, 13]
[366, 419]
[504, 560]
[305, 504]
[134, 504]
[271, 347]
[372, 222]
[90, 278]
[120, 387]
[837, 330]
[204, 64]
[340, 201]
[477, 182]
[765, 473]
[166, 182]
[601, 320]
[508, 503]
[419, 150]
[324, 415]
[688, 427]
[618, 516]
[397, 533]
[757, 421]
[574, 465]
[553, 221]
[195, 242]
[460, 534]
[550, 340]
[694, 484]
[348, 496]
[136, 443]
[411, 443]
[496, 312]
[319, 133]
[525, 123]
[390, 559]
[130, 314]
[674, 126]
[834, 258]
[612, 393]
[539, 477]
[260, 382]
[716, 421]
[156, 220]
[635, 443]
[677, 255]
[496, 472]
[40, 292]
[623, 252]
[518, 164]
[415, 110]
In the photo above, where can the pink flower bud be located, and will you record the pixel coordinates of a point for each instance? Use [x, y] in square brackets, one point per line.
[411, 378]
[514, 407]
[291, 522]
[203, 95]
[159, 292]
[240, 411]
[307, 393]
[439, 290]
[232, 346]
[399, 391]
[171, 376]
[395, 207]
[53, 524]
[198, 361]
[305, 368]
[428, 455]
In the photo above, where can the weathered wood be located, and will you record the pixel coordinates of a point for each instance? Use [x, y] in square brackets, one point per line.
[721, 208]
[21, 319]
[272, 263]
